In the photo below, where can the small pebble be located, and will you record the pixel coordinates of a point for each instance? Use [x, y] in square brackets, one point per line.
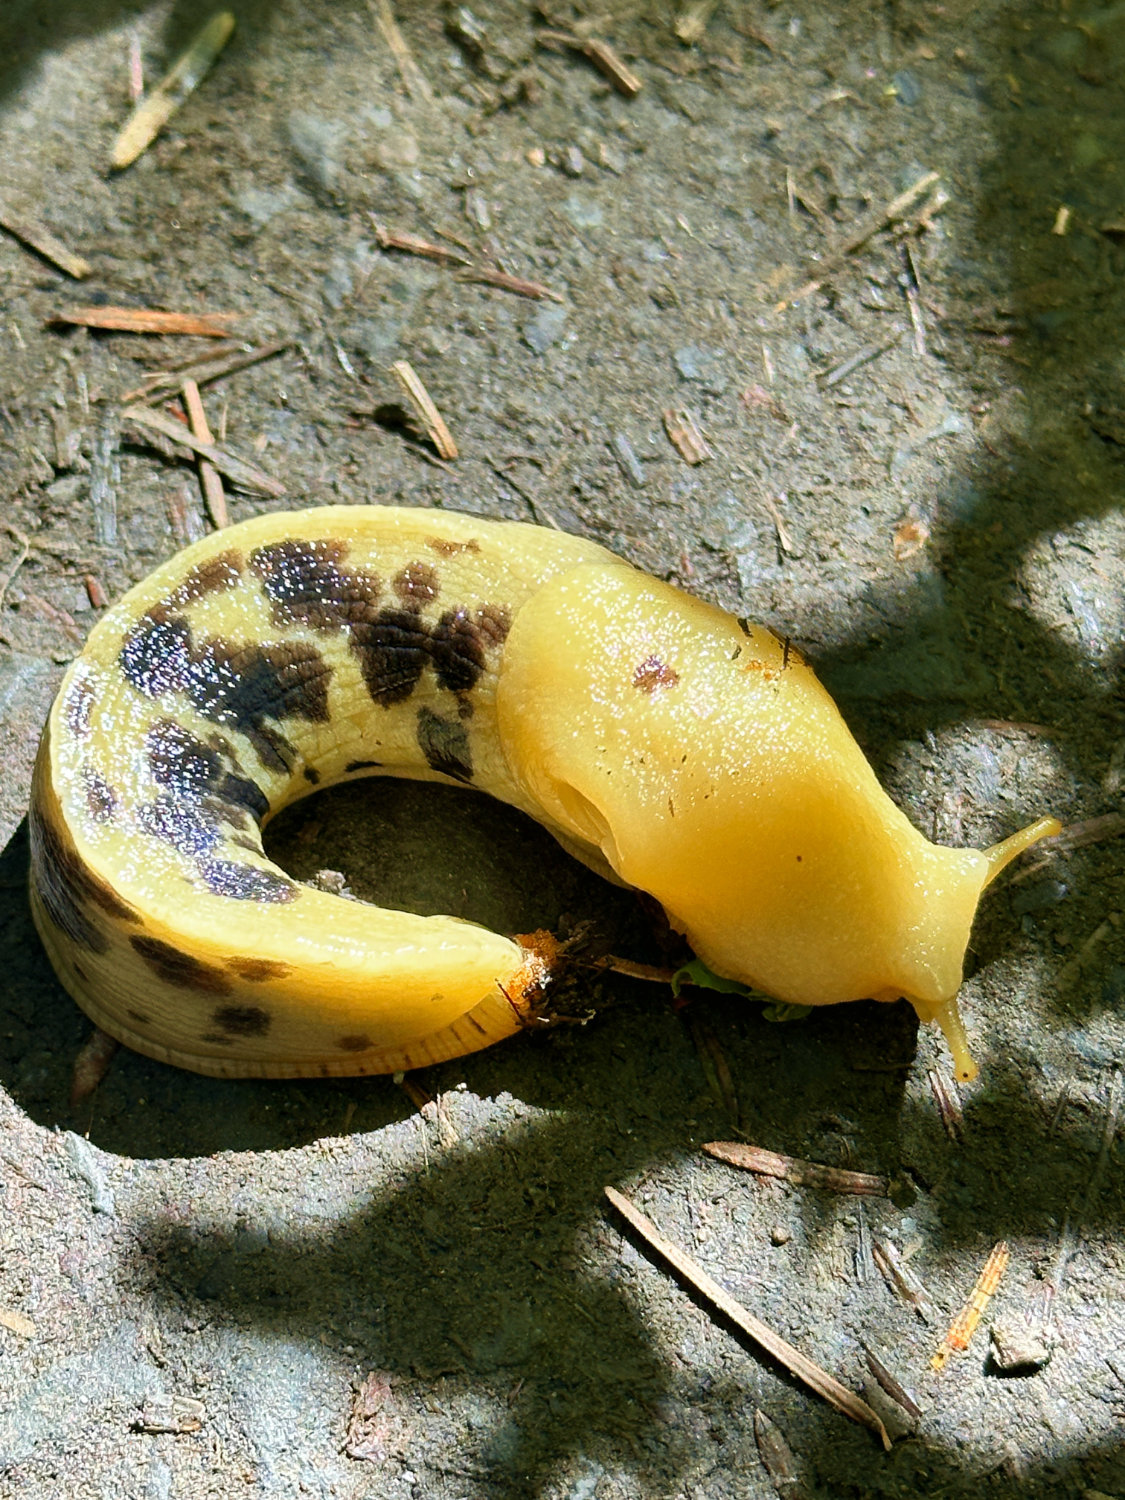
[1015, 1346]
[779, 1235]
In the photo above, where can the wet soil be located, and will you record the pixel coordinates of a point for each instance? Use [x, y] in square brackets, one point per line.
[915, 470]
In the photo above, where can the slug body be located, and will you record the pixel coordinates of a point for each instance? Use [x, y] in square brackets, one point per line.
[658, 738]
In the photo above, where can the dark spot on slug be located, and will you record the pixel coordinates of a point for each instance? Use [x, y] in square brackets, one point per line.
[139, 1016]
[238, 685]
[183, 970]
[101, 799]
[306, 584]
[241, 686]
[445, 548]
[81, 973]
[458, 651]
[495, 620]
[226, 877]
[311, 775]
[258, 970]
[210, 577]
[417, 584]
[242, 1020]
[156, 653]
[393, 651]
[652, 673]
[362, 765]
[195, 771]
[66, 885]
[445, 745]
[745, 625]
[188, 827]
[216, 1039]
[354, 1043]
[77, 705]
[475, 1025]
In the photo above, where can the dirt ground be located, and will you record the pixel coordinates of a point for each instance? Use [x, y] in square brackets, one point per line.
[915, 471]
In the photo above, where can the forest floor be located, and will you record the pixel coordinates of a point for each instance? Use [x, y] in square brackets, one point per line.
[915, 468]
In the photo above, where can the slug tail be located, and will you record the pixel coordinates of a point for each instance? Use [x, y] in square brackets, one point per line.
[1000, 855]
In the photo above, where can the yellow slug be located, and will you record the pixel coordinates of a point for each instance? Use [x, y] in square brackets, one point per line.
[661, 740]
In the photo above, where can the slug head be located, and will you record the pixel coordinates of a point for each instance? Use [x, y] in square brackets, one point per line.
[703, 761]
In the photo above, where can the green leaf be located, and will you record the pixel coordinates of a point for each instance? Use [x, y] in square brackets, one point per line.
[698, 973]
[778, 1010]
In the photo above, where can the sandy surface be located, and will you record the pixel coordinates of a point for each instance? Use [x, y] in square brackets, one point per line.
[242, 1259]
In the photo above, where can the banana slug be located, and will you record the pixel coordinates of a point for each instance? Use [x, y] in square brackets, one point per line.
[680, 750]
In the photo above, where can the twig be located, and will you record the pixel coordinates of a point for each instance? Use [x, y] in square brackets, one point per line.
[43, 242]
[862, 356]
[154, 112]
[148, 320]
[793, 1169]
[908, 280]
[601, 54]
[413, 244]
[204, 370]
[1075, 1223]
[964, 1325]
[21, 558]
[893, 1389]
[895, 210]
[685, 436]
[902, 1280]
[423, 404]
[798, 1364]
[243, 475]
[653, 972]
[948, 1105]
[412, 76]
[492, 276]
[777, 1458]
[214, 497]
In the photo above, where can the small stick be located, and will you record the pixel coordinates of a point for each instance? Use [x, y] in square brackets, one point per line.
[422, 402]
[1074, 1224]
[964, 1325]
[784, 535]
[21, 558]
[492, 276]
[798, 1364]
[948, 1106]
[617, 965]
[862, 356]
[412, 76]
[413, 244]
[205, 370]
[685, 436]
[912, 292]
[148, 320]
[793, 1169]
[893, 1389]
[601, 54]
[214, 496]
[895, 210]
[902, 1280]
[777, 1458]
[153, 113]
[243, 475]
[94, 591]
[43, 242]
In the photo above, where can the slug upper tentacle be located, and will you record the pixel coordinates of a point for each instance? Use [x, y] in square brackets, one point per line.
[689, 754]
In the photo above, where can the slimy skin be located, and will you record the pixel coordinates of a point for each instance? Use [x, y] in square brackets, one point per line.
[661, 740]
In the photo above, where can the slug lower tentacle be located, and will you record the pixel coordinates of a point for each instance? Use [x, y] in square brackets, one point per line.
[660, 739]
